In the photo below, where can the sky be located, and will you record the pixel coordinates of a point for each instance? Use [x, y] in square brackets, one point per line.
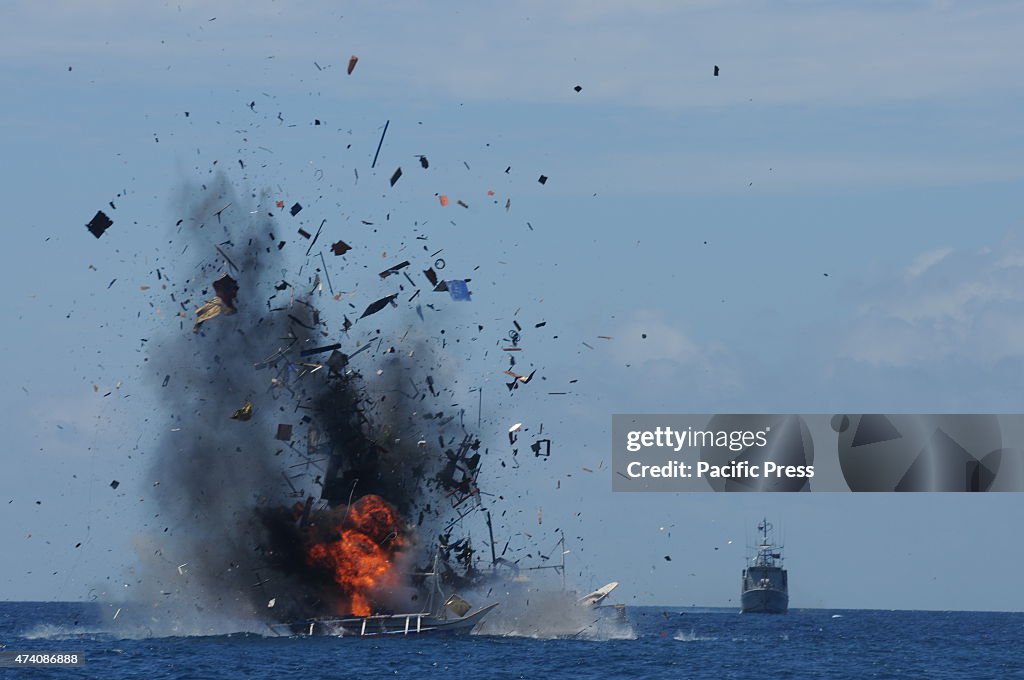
[831, 225]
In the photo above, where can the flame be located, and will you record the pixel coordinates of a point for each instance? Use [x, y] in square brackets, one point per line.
[360, 553]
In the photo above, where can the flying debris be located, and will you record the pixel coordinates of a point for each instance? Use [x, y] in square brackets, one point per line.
[317, 350]
[210, 309]
[352, 61]
[340, 248]
[459, 291]
[716, 69]
[337, 361]
[99, 224]
[380, 144]
[524, 379]
[397, 174]
[375, 307]
[295, 209]
[394, 270]
[595, 598]
[226, 289]
[244, 413]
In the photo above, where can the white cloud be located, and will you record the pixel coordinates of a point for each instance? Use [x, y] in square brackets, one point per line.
[650, 337]
[927, 260]
[948, 305]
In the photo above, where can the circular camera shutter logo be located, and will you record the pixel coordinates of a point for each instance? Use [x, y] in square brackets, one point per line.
[918, 452]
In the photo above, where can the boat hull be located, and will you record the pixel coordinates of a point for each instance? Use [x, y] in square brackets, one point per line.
[378, 626]
[765, 601]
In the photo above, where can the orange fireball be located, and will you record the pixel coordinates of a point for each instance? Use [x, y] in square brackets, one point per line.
[361, 557]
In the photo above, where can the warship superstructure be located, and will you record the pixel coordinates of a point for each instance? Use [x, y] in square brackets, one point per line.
[765, 581]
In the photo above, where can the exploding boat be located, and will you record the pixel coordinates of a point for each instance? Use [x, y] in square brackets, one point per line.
[454, 616]
[416, 623]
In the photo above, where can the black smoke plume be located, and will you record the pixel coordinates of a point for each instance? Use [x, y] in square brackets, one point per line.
[240, 500]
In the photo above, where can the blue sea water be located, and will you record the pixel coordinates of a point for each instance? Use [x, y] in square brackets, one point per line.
[661, 643]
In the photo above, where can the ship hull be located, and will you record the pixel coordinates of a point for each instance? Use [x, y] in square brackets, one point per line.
[765, 601]
[377, 626]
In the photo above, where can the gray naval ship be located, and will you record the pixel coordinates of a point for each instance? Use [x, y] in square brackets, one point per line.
[765, 583]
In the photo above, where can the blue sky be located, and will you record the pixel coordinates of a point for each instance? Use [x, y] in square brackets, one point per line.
[876, 142]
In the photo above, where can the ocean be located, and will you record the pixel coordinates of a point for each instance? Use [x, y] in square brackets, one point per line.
[656, 642]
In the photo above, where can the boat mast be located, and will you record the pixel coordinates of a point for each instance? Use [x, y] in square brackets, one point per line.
[561, 543]
[434, 584]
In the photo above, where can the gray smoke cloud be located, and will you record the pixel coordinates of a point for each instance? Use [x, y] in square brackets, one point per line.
[234, 518]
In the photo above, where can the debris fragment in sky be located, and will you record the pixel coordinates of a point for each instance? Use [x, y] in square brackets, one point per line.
[716, 69]
[114, 484]
[543, 179]
[226, 258]
[317, 350]
[295, 209]
[394, 270]
[521, 378]
[99, 223]
[244, 413]
[444, 200]
[380, 144]
[380, 304]
[459, 291]
[226, 289]
[578, 88]
[540, 444]
[424, 163]
[284, 432]
[340, 248]
[394, 177]
[337, 361]
[315, 238]
[211, 308]
[352, 61]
